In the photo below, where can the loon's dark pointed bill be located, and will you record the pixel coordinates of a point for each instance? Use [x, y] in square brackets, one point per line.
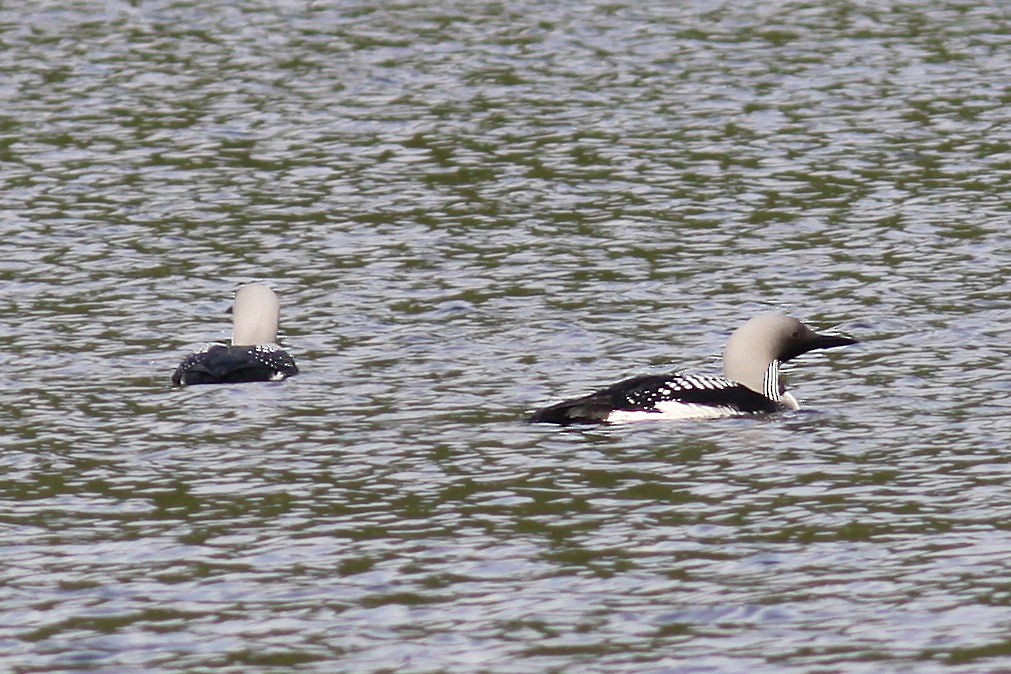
[815, 341]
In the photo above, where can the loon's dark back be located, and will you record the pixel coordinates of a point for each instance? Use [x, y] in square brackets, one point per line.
[234, 365]
[644, 392]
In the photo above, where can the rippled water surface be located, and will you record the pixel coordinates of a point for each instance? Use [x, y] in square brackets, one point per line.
[470, 210]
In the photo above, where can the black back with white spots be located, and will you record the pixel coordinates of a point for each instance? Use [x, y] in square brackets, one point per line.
[643, 394]
[219, 364]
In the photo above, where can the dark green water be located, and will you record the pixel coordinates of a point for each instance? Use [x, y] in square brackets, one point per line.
[469, 210]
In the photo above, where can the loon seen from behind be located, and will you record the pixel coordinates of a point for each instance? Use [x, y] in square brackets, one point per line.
[253, 354]
[750, 385]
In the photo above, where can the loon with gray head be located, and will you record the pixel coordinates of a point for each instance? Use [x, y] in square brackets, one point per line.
[751, 384]
[253, 355]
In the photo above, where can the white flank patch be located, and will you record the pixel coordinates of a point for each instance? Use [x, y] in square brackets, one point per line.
[672, 411]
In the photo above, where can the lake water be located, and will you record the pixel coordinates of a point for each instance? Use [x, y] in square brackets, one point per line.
[470, 210]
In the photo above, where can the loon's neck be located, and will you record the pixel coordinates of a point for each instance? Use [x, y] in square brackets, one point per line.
[255, 316]
[774, 389]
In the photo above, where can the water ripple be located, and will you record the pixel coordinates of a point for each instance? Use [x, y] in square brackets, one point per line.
[469, 211]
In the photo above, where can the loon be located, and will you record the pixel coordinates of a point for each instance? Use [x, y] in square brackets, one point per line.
[751, 384]
[253, 355]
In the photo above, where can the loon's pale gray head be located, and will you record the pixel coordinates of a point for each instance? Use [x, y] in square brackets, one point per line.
[756, 349]
[255, 315]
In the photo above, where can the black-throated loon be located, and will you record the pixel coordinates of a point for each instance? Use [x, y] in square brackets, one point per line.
[253, 354]
[751, 384]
